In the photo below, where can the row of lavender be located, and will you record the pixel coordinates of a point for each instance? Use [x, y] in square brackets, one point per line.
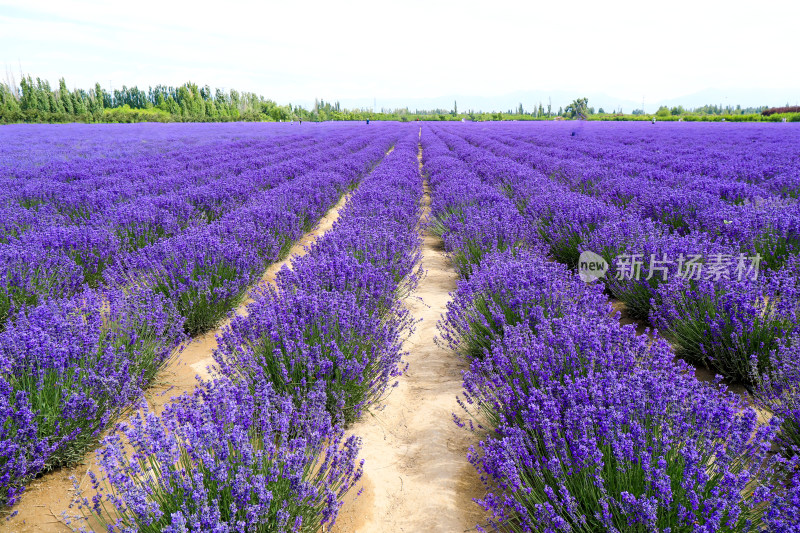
[678, 193]
[261, 446]
[729, 300]
[65, 223]
[71, 363]
[591, 427]
[725, 295]
[728, 161]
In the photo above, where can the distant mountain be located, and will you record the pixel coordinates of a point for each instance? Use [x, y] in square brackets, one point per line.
[530, 100]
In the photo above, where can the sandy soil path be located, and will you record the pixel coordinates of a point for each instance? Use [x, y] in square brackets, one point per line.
[47, 497]
[416, 474]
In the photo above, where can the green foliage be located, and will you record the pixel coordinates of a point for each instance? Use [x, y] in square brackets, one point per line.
[663, 112]
[34, 100]
[705, 317]
[578, 108]
[126, 114]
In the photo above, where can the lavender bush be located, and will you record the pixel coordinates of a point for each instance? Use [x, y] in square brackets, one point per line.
[564, 221]
[204, 276]
[373, 286]
[776, 389]
[226, 458]
[70, 367]
[298, 341]
[482, 230]
[642, 256]
[511, 289]
[29, 273]
[585, 445]
[729, 325]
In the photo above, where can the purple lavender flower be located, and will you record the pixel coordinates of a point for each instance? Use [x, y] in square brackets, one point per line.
[70, 367]
[510, 289]
[776, 390]
[298, 340]
[596, 428]
[226, 458]
[731, 325]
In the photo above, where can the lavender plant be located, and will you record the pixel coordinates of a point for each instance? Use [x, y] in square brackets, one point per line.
[642, 256]
[29, 273]
[300, 340]
[226, 458]
[482, 230]
[374, 286]
[783, 513]
[730, 325]
[564, 221]
[68, 368]
[777, 390]
[510, 289]
[380, 241]
[202, 275]
[627, 451]
[596, 428]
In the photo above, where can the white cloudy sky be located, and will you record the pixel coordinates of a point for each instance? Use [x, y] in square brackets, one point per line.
[296, 51]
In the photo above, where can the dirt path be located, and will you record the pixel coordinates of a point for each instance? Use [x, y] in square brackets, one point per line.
[416, 474]
[47, 497]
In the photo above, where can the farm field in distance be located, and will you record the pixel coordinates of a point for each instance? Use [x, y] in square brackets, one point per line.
[550, 326]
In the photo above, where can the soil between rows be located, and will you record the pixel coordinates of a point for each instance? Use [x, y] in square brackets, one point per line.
[416, 474]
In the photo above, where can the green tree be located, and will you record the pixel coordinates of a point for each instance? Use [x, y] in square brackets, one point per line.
[8, 102]
[64, 97]
[99, 97]
[578, 108]
[663, 111]
[27, 98]
[78, 103]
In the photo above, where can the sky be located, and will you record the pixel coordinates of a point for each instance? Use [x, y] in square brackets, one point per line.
[388, 50]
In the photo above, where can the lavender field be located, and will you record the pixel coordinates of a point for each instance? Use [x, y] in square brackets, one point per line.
[619, 315]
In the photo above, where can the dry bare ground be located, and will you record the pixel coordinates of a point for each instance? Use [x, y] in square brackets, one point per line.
[416, 475]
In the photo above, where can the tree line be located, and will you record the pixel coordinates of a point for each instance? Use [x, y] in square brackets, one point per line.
[35, 100]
